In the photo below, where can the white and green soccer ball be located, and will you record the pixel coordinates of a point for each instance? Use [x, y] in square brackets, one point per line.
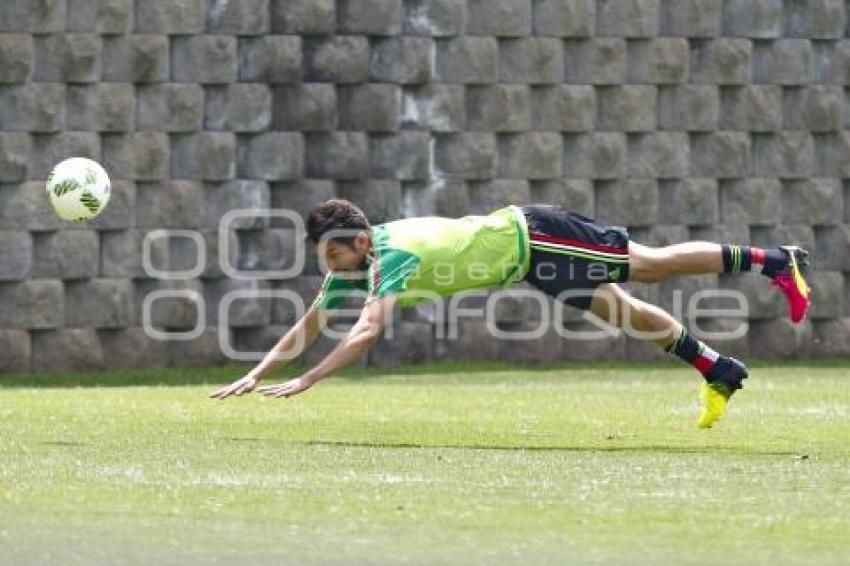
[78, 189]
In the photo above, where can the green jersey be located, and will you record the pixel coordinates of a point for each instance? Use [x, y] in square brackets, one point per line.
[420, 257]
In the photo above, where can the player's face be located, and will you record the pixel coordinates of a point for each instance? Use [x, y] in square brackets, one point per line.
[345, 257]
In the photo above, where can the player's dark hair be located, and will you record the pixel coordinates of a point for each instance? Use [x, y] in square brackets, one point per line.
[336, 214]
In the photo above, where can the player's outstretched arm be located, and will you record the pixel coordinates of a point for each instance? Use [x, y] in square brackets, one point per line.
[291, 345]
[362, 336]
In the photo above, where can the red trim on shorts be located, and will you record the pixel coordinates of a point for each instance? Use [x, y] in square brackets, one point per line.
[541, 237]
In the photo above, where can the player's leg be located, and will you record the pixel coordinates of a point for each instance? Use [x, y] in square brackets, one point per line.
[783, 265]
[722, 374]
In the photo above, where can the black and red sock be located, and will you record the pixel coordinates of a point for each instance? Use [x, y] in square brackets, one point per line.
[744, 258]
[694, 352]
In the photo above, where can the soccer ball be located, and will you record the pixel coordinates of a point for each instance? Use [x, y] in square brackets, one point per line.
[78, 189]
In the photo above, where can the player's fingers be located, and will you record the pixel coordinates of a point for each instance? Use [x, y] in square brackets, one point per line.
[220, 394]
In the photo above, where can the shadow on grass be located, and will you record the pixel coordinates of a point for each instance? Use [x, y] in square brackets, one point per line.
[221, 375]
[558, 448]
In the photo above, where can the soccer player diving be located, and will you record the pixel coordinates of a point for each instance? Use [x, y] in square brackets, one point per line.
[569, 256]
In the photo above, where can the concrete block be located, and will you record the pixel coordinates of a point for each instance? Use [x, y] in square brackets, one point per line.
[171, 17]
[50, 149]
[103, 107]
[65, 254]
[755, 108]
[402, 60]
[370, 107]
[722, 61]
[67, 349]
[405, 156]
[132, 348]
[691, 18]
[38, 17]
[436, 107]
[531, 60]
[246, 17]
[758, 19]
[660, 61]
[370, 17]
[15, 351]
[627, 18]
[692, 201]
[273, 59]
[595, 61]
[467, 60]
[817, 108]
[788, 154]
[380, 199]
[338, 155]
[784, 62]
[466, 155]
[751, 201]
[308, 17]
[272, 156]
[237, 194]
[630, 202]
[499, 108]
[170, 107]
[336, 59]
[207, 156]
[533, 155]
[14, 155]
[630, 108]
[98, 303]
[817, 201]
[16, 58]
[137, 58]
[575, 194]
[305, 107]
[658, 154]
[567, 108]
[720, 154]
[32, 107]
[689, 107]
[594, 155]
[486, 196]
[15, 255]
[169, 204]
[436, 18]
[241, 107]
[204, 59]
[560, 18]
[501, 18]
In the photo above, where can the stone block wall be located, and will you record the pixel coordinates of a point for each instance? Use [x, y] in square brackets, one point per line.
[724, 120]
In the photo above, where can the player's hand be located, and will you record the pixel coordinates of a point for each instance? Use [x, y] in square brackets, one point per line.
[238, 387]
[288, 389]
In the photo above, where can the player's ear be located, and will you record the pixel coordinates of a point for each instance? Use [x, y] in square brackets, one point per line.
[361, 242]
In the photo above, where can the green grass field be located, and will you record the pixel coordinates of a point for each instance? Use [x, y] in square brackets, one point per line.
[443, 464]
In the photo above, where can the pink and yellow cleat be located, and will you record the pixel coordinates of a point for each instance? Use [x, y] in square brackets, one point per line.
[792, 284]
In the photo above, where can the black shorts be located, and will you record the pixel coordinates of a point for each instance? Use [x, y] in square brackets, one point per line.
[571, 252]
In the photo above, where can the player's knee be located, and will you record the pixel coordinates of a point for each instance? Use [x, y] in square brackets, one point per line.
[608, 305]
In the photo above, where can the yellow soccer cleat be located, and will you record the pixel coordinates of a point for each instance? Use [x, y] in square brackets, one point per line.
[715, 394]
[715, 397]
